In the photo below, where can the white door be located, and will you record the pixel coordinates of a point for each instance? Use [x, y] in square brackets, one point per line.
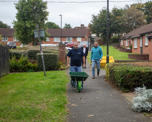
[141, 45]
[141, 42]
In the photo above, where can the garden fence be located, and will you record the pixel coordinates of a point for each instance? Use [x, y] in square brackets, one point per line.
[4, 60]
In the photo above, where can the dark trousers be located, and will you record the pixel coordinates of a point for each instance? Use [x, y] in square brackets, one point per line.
[85, 60]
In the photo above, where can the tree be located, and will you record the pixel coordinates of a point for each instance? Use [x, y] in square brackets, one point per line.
[117, 21]
[29, 14]
[148, 11]
[98, 24]
[67, 26]
[51, 25]
[139, 6]
[3, 25]
[133, 18]
[121, 21]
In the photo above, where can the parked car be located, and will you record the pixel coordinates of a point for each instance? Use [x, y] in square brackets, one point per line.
[70, 44]
[68, 48]
[11, 45]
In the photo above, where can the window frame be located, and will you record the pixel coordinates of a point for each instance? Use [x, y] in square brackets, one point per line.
[56, 39]
[146, 40]
[16, 40]
[4, 38]
[68, 39]
[47, 39]
[79, 38]
[135, 43]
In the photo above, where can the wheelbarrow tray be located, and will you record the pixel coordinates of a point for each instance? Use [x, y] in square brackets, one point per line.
[78, 76]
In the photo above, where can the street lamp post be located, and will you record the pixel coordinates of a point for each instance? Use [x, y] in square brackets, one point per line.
[40, 34]
[61, 29]
[108, 29]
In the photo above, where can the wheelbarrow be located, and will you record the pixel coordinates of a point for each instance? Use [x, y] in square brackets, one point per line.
[77, 79]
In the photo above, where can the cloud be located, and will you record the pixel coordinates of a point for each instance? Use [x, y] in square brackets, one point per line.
[74, 14]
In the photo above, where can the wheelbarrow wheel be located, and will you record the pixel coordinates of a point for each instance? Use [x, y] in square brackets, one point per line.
[79, 86]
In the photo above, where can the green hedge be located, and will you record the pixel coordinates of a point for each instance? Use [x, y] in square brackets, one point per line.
[17, 54]
[50, 59]
[32, 54]
[128, 77]
[22, 65]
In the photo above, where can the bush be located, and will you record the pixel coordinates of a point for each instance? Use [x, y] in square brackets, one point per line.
[22, 65]
[61, 66]
[17, 54]
[51, 61]
[115, 39]
[143, 101]
[32, 54]
[127, 76]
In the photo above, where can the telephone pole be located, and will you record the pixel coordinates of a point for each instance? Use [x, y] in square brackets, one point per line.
[108, 31]
[61, 28]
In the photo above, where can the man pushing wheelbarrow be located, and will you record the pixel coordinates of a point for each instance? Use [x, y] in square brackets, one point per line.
[74, 60]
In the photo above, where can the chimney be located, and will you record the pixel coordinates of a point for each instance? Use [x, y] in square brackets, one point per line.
[82, 25]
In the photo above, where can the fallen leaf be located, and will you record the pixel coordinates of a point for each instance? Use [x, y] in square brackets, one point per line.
[90, 115]
[74, 105]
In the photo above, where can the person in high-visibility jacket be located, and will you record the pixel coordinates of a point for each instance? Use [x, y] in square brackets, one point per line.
[96, 56]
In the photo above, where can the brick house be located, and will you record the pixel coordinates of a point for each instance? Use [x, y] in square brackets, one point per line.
[68, 35]
[126, 41]
[140, 39]
[6, 35]
[54, 35]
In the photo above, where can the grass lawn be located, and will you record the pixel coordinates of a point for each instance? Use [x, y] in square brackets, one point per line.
[33, 97]
[118, 55]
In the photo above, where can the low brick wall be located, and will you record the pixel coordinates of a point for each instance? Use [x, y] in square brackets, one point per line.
[139, 56]
[4, 60]
[62, 53]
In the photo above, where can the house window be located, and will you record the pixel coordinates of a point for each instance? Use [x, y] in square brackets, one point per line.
[69, 39]
[4, 38]
[146, 40]
[121, 42]
[15, 39]
[79, 39]
[56, 39]
[47, 39]
[126, 42]
[135, 43]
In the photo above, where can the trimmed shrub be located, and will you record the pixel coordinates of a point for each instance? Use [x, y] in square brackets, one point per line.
[17, 54]
[50, 59]
[32, 54]
[128, 77]
[22, 65]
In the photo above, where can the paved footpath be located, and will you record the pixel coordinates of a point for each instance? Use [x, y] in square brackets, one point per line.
[99, 102]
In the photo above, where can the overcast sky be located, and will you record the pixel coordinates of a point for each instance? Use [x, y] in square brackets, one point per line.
[73, 13]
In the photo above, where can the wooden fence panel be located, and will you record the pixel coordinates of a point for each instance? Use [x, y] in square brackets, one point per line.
[4, 60]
